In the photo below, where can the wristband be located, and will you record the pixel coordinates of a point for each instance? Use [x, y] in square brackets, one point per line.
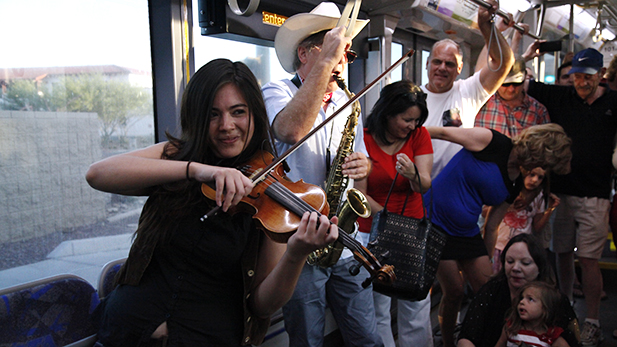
[188, 178]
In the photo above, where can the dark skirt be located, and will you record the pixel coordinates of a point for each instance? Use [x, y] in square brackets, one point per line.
[458, 247]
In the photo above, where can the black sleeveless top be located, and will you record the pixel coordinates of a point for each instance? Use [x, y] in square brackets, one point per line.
[194, 283]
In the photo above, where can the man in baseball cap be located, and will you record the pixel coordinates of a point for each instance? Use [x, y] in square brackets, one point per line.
[587, 111]
[314, 49]
[588, 61]
[587, 70]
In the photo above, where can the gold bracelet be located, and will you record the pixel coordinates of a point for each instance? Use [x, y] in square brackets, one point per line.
[550, 210]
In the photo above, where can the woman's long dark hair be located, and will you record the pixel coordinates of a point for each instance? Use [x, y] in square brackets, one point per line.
[170, 202]
[193, 143]
[395, 98]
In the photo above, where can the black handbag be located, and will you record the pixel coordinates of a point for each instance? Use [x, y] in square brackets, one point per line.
[413, 246]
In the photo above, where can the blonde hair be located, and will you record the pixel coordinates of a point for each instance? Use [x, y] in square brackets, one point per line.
[546, 146]
[611, 72]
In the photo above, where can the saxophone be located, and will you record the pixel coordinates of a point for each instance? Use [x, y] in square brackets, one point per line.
[355, 205]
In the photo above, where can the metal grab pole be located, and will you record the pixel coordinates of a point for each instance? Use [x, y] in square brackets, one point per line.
[504, 15]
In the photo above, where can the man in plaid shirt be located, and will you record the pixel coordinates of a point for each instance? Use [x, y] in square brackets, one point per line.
[510, 109]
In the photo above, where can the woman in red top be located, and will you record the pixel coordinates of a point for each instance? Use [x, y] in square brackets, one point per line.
[395, 140]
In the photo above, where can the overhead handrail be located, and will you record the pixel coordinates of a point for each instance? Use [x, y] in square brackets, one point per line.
[505, 16]
[247, 12]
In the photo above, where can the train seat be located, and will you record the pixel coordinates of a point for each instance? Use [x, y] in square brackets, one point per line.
[107, 277]
[53, 311]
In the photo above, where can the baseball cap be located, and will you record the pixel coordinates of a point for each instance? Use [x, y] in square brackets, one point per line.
[588, 61]
[517, 72]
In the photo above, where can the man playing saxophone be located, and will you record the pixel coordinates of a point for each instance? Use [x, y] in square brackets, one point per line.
[311, 46]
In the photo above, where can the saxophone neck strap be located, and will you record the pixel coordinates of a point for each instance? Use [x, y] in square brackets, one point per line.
[296, 81]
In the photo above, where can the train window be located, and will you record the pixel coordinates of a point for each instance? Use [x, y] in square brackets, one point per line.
[549, 68]
[425, 56]
[396, 54]
[545, 68]
[261, 59]
[76, 86]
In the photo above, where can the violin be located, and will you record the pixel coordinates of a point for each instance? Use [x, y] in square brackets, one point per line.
[277, 205]
[290, 203]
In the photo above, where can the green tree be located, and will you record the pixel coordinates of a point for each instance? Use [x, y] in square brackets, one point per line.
[114, 101]
[24, 95]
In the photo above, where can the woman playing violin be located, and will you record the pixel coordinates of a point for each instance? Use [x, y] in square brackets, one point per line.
[188, 282]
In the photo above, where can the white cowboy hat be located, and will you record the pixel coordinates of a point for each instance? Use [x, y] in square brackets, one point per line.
[302, 25]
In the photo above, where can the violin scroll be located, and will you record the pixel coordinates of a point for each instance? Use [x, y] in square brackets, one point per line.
[383, 274]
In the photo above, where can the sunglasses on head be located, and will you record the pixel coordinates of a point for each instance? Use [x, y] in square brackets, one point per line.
[512, 84]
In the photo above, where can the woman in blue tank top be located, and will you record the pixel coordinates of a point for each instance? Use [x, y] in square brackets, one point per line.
[487, 171]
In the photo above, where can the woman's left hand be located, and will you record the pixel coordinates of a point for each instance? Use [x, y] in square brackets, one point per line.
[404, 166]
[314, 232]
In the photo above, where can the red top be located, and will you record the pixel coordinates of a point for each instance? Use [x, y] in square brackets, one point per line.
[380, 179]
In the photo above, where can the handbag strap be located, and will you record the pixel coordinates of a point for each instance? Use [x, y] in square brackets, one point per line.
[407, 197]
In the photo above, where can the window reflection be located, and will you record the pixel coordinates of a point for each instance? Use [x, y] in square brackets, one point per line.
[262, 60]
[396, 54]
[74, 89]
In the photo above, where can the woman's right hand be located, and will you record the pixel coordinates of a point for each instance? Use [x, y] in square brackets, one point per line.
[230, 184]
[405, 167]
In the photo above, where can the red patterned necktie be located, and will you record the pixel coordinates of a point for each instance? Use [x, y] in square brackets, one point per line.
[327, 97]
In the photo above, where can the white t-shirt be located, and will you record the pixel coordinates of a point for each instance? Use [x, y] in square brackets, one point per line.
[467, 96]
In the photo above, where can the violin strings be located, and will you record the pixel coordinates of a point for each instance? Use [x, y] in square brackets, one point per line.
[291, 200]
[297, 205]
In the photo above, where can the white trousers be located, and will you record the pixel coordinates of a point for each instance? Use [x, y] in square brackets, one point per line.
[413, 321]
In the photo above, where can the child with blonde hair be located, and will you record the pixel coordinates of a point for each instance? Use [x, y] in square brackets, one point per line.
[532, 320]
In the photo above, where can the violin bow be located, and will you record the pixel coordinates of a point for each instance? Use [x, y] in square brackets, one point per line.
[263, 173]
